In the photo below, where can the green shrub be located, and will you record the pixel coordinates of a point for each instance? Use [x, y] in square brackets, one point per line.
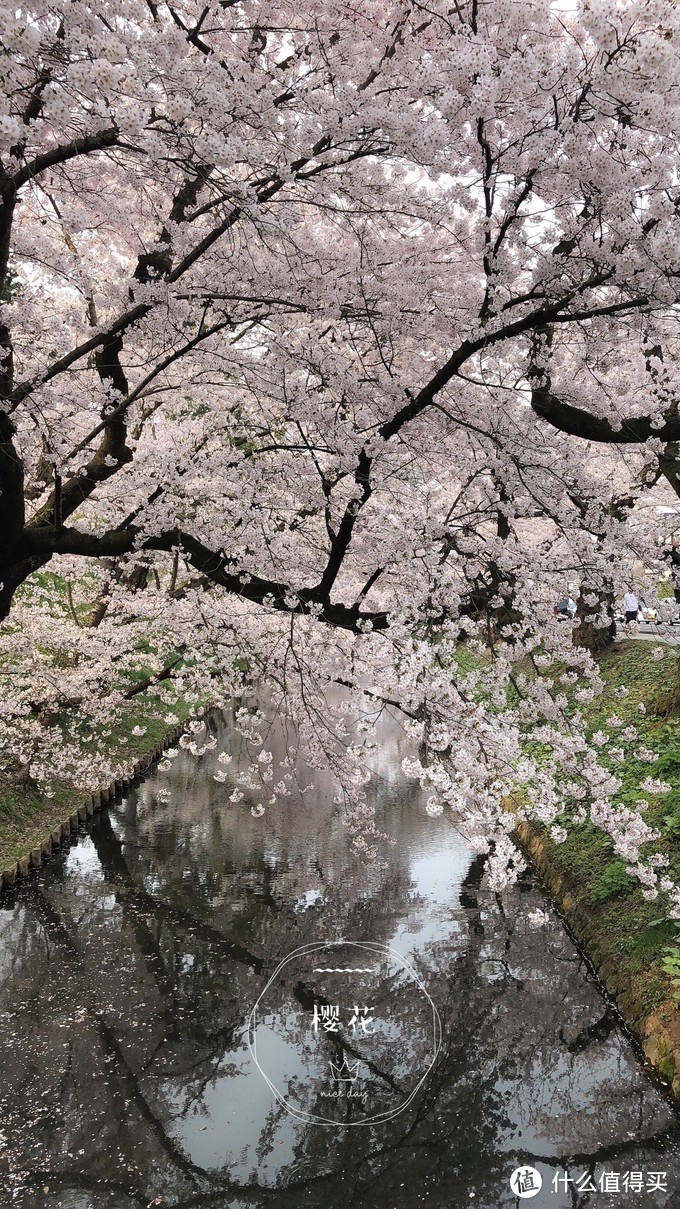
[612, 881]
[672, 816]
[671, 965]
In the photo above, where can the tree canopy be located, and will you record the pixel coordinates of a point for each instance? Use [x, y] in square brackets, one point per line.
[336, 341]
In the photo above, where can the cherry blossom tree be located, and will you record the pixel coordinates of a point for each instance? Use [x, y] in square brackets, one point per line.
[335, 341]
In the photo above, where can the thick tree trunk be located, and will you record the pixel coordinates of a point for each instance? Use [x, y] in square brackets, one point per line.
[12, 577]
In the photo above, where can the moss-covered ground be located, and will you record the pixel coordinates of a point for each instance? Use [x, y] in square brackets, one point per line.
[632, 935]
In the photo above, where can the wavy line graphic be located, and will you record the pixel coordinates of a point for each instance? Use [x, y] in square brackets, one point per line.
[343, 970]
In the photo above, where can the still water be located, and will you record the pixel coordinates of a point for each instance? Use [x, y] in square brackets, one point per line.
[137, 966]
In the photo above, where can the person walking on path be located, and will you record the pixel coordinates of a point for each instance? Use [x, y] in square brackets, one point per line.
[631, 606]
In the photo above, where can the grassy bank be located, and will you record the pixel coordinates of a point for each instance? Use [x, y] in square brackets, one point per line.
[144, 663]
[632, 946]
[26, 817]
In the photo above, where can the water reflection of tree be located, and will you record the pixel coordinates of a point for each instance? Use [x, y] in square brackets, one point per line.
[118, 1097]
[162, 988]
[131, 983]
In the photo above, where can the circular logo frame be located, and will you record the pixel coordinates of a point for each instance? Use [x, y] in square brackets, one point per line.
[365, 946]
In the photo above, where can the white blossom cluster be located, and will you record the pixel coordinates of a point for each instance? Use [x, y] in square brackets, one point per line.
[335, 351]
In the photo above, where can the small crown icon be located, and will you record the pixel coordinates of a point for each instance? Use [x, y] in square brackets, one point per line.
[344, 1073]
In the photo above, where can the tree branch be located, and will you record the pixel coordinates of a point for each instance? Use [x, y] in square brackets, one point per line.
[61, 154]
[42, 542]
[580, 423]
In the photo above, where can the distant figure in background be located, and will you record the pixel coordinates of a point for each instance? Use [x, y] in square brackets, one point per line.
[631, 605]
[566, 607]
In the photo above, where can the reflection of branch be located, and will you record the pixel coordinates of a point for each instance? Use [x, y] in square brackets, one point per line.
[109, 851]
[443, 1079]
[599, 1030]
[113, 1047]
[227, 1038]
[656, 1141]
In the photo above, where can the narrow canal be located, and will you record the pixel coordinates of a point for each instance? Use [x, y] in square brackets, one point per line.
[131, 966]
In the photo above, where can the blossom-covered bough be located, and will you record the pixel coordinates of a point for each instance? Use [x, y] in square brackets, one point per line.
[336, 341]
